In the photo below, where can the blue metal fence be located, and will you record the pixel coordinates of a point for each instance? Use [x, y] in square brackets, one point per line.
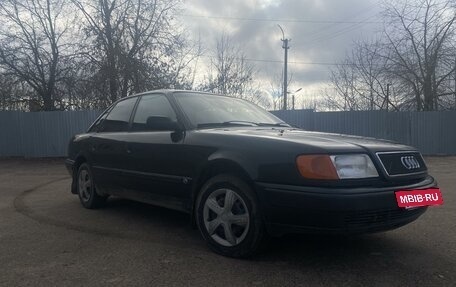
[432, 133]
[46, 134]
[41, 134]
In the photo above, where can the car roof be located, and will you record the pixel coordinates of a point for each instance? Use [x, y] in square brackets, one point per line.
[171, 91]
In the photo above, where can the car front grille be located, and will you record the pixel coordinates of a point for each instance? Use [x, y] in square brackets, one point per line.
[379, 217]
[402, 163]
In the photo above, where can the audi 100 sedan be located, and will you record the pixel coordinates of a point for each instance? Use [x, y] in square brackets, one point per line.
[242, 174]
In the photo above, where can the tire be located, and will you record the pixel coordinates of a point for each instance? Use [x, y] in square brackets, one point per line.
[233, 230]
[85, 187]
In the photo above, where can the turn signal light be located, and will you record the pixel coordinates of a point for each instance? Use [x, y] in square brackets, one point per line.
[316, 167]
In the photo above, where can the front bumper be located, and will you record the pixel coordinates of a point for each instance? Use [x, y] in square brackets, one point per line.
[297, 209]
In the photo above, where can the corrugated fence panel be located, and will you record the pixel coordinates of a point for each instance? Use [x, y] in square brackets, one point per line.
[41, 134]
[430, 132]
[46, 134]
[371, 124]
[300, 118]
[434, 132]
[396, 127]
[10, 139]
[448, 132]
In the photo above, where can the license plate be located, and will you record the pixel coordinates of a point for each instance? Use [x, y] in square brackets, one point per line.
[419, 197]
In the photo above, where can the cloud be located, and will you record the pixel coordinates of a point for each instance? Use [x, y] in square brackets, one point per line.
[252, 24]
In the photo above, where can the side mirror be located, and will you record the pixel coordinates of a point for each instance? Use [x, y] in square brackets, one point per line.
[161, 124]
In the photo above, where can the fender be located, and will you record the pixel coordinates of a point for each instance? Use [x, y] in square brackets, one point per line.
[229, 159]
[241, 160]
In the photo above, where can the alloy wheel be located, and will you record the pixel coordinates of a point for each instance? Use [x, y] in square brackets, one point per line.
[85, 185]
[226, 217]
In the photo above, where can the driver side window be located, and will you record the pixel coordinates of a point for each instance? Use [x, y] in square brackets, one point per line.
[152, 108]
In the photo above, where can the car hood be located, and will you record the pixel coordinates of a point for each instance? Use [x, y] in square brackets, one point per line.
[318, 140]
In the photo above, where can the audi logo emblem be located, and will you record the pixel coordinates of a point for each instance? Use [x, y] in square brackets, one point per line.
[410, 162]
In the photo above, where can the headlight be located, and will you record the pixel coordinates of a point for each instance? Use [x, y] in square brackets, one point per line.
[336, 166]
[354, 166]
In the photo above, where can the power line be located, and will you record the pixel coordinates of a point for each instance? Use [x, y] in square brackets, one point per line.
[299, 62]
[290, 62]
[280, 20]
[322, 38]
[356, 14]
[316, 35]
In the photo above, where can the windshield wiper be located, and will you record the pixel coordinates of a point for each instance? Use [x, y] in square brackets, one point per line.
[282, 124]
[228, 123]
[242, 123]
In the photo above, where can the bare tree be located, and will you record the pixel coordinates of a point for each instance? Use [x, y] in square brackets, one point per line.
[344, 81]
[408, 67]
[31, 44]
[420, 36]
[15, 94]
[362, 81]
[134, 45]
[276, 91]
[231, 73]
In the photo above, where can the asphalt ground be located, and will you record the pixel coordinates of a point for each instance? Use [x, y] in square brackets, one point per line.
[48, 239]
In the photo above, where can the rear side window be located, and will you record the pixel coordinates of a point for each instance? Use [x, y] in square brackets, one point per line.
[118, 119]
[152, 106]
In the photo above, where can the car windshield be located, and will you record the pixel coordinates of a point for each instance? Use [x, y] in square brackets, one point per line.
[206, 110]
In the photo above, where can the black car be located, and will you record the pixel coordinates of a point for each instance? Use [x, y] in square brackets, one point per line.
[240, 172]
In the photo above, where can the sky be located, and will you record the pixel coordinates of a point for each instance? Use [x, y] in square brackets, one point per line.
[321, 33]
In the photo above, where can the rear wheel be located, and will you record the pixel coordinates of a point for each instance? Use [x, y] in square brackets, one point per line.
[86, 188]
[228, 216]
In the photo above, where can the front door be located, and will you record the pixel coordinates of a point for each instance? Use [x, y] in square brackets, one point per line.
[156, 155]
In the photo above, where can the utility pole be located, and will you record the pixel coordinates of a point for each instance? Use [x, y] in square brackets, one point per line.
[285, 68]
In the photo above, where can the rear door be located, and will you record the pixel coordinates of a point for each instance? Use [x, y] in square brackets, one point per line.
[108, 148]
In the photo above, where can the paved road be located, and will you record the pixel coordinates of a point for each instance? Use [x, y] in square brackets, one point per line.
[48, 239]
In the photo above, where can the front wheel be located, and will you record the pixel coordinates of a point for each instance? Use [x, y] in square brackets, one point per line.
[86, 188]
[228, 216]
